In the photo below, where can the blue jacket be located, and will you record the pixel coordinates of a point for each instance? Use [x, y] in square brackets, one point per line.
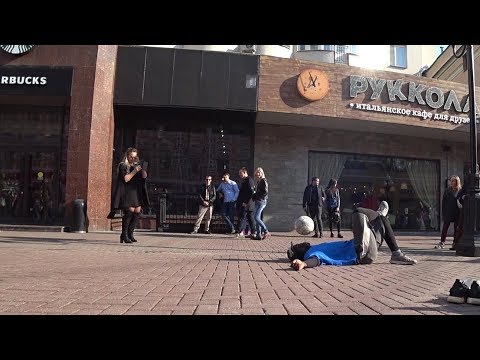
[333, 199]
[334, 253]
[229, 189]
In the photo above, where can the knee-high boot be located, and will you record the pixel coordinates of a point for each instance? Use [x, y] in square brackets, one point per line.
[132, 225]
[126, 219]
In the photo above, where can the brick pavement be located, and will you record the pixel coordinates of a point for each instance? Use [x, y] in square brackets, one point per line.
[163, 274]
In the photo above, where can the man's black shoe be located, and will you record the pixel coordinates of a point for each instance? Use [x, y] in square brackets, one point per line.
[460, 291]
[207, 232]
[474, 296]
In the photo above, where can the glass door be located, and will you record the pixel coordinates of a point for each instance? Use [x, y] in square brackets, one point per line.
[43, 197]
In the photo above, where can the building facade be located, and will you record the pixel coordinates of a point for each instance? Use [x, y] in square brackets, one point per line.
[57, 140]
[191, 112]
[450, 68]
[395, 136]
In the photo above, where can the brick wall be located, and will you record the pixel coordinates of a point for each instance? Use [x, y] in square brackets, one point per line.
[278, 93]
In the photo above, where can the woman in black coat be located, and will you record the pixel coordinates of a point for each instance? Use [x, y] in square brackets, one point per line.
[332, 203]
[130, 193]
[450, 211]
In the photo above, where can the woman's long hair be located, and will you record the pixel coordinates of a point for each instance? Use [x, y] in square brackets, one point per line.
[128, 152]
[459, 183]
[262, 173]
[331, 184]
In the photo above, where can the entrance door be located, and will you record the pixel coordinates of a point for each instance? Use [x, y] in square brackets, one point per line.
[29, 186]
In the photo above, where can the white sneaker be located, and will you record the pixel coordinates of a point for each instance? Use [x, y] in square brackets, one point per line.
[402, 259]
[440, 245]
[383, 208]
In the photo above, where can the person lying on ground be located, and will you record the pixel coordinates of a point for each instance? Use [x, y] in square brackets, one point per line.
[370, 229]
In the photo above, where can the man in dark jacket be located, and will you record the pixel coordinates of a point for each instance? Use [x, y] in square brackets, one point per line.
[206, 197]
[313, 198]
[245, 204]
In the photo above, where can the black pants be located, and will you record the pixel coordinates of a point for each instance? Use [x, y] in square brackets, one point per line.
[446, 225]
[243, 214]
[315, 212]
[388, 234]
[330, 220]
[459, 232]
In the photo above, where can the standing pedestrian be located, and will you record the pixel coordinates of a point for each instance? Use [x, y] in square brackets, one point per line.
[260, 197]
[228, 190]
[333, 206]
[313, 198]
[130, 192]
[207, 196]
[450, 210]
[245, 204]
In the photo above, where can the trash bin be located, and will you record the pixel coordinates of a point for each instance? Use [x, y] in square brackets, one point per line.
[79, 216]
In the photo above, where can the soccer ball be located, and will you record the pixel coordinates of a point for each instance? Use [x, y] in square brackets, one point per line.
[304, 225]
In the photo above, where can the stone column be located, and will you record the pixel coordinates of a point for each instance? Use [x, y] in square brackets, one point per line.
[90, 137]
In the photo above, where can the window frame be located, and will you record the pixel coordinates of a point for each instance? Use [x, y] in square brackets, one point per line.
[394, 62]
[352, 49]
[303, 47]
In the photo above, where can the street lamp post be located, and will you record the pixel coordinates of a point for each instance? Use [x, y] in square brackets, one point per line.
[469, 243]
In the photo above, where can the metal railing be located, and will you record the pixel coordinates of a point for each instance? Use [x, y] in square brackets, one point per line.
[177, 212]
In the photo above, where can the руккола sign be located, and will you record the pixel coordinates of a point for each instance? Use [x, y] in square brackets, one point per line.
[408, 91]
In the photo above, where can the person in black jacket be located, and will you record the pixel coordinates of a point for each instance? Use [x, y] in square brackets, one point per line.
[245, 204]
[260, 197]
[130, 193]
[460, 200]
[450, 210]
[332, 203]
[206, 197]
[313, 198]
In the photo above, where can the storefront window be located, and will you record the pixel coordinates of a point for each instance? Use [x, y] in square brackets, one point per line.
[410, 186]
[32, 164]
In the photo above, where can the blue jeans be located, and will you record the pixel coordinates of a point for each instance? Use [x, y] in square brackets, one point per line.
[228, 213]
[259, 224]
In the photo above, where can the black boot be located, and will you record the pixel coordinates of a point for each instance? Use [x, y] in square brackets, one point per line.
[131, 226]
[126, 219]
